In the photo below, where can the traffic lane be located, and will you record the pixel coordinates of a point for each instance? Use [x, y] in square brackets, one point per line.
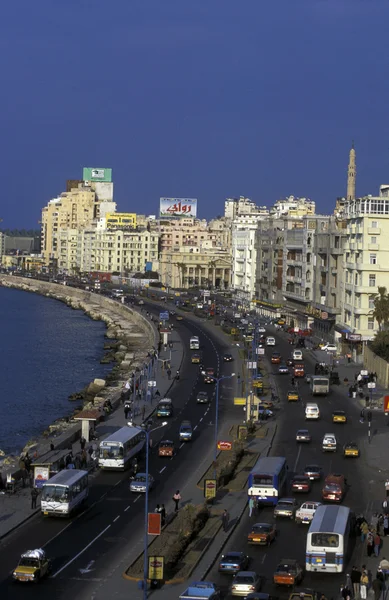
[42, 530]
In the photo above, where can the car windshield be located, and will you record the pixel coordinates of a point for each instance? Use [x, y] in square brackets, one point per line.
[231, 559]
[329, 540]
[332, 487]
[261, 528]
[165, 445]
[285, 503]
[339, 413]
[286, 568]
[244, 579]
[312, 469]
[111, 450]
[300, 479]
[140, 478]
[302, 432]
[28, 562]
[55, 493]
[263, 480]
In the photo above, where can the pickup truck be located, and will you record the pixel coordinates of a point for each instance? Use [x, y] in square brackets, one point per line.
[305, 513]
[198, 590]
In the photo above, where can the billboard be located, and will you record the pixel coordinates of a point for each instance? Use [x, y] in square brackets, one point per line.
[96, 174]
[177, 207]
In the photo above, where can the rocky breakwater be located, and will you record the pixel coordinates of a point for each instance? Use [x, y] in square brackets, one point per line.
[130, 338]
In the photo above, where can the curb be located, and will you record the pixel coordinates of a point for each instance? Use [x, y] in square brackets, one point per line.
[33, 514]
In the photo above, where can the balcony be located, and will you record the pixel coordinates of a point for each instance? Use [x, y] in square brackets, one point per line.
[373, 247]
[336, 251]
[373, 230]
[365, 289]
[333, 290]
[326, 308]
[296, 296]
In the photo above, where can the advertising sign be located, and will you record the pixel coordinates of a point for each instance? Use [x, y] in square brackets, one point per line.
[152, 384]
[41, 475]
[154, 523]
[177, 207]
[242, 432]
[164, 316]
[240, 401]
[260, 351]
[156, 567]
[97, 174]
[224, 445]
[209, 489]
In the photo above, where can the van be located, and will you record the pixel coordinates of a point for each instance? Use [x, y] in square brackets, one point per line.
[270, 341]
[186, 431]
[320, 386]
[165, 408]
[312, 411]
[297, 355]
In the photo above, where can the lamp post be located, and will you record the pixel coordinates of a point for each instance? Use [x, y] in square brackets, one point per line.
[146, 547]
[217, 380]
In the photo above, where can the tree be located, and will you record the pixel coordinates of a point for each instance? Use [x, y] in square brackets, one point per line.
[381, 308]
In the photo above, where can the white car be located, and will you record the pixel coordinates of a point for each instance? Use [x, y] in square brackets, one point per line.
[306, 512]
[261, 330]
[329, 348]
[270, 341]
[297, 355]
[329, 443]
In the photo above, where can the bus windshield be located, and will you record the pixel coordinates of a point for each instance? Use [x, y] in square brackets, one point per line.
[328, 540]
[317, 381]
[111, 451]
[262, 480]
[55, 493]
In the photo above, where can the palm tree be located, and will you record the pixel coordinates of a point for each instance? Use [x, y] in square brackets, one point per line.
[381, 308]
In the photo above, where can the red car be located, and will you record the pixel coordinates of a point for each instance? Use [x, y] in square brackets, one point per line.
[301, 483]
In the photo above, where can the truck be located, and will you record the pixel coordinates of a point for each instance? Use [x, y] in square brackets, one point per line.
[198, 590]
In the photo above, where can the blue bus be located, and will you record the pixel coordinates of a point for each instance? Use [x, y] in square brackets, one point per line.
[267, 480]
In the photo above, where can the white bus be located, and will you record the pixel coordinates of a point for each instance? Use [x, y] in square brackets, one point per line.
[328, 539]
[194, 343]
[320, 386]
[64, 493]
[117, 450]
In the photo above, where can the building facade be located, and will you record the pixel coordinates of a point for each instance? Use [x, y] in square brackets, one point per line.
[202, 266]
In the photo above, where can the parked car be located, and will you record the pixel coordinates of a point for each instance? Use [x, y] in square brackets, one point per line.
[233, 562]
[329, 348]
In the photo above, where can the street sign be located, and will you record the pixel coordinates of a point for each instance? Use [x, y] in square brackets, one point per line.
[224, 445]
[152, 383]
[260, 351]
[209, 489]
[242, 401]
[164, 316]
[371, 385]
[154, 523]
[251, 365]
[156, 567]
[206, 293]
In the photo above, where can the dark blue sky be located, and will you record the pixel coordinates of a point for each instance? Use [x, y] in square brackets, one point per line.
[202, 99]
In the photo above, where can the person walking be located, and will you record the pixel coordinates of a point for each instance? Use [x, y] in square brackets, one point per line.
[82, 442]
[364, 531]
[143, 412]
[363, 584]
[176, 500]
[385, 506]
[126, 411]
[169, 374]
[386, 525]
[163, 515]
[370, 543]
[355, 580]
[377, 543]
[34, 496]
[225, 519]
[251, 505]
[377, 588]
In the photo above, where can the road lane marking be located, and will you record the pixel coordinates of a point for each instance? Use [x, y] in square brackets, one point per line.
[182, 444]
[126, 509]
[194, 428]
[297, 459]
[163, 468]
[137, 498]
[201, 419]
[118, 517]
[80, 553]
[263, 558]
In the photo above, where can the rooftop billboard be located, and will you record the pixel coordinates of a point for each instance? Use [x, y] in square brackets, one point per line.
[97, 174]
[177, 207]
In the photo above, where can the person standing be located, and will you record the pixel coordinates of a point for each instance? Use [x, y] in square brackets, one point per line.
[363, 584]
[169, 374]
[386, 525]
[377, 543]
[225, 519]
[163, 515]
[251, 505]
[34, 496]
[370, 543]
[355, 580]
[82, 443]
[364, 531]
[346, 592]
[176, 500]
[377, 588]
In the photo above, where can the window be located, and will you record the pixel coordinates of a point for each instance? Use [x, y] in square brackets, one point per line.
[356, 279]
[372, 281]
[374, 224]
[371, 302]
[346, 276]
[370, 323]
[373, 240]
[373, 259]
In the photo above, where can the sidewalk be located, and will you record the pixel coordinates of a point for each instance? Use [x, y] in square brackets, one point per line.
[15, 509]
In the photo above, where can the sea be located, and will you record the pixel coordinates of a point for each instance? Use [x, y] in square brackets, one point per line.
[47, 352]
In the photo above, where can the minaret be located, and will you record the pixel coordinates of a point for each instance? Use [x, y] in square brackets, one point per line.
[351, 175]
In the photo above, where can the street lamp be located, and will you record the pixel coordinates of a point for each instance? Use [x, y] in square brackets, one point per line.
[217, 380]
[146, 547]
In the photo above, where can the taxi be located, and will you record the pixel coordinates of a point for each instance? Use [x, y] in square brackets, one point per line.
[33, 566]
[258, 384]
[275, 358]
[266, 405]
[304, 594]
[178, 318]
[292, 396]
[196, 358]
[351, 449]
[166, 448]
[339, 416]
[288, 572]
[262, 534]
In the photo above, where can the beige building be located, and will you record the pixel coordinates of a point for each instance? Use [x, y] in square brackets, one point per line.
[195, 266]
[75, 209]
[186, 231]
[365, 264]
[293, 207]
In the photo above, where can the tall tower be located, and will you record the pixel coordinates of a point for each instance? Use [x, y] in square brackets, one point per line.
[351, 175]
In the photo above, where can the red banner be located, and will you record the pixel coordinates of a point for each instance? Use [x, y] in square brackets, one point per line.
[154, 524]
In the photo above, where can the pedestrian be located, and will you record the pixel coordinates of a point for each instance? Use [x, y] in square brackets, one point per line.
[385, 506]
[377, 543]
[355, 580]
[82, 442]
[177, 374]
[23, 471]
[84, 458]
[157, 509]
[225, 519]
[34, 496]
[176, 500]
[157, 394]
[169, 374]
[52, 447]
[126, 411]
[386, 525]
[251, 505]
[364, 531]
[163, 515]
[377, 588]
[143, 412]
[345, 592]
[363, 584]
[370, 543]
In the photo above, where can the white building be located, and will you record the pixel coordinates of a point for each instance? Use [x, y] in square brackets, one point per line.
[237, 207]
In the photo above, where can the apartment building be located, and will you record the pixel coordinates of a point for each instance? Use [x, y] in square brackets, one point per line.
[365, 264]
[237, 207]
[187, 231]
[203, 266]
[293, 207]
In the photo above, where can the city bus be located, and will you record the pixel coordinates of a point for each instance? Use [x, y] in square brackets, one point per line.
[328, 538]
[194, 343]
[64, 493]
[117, 450]
[267, 480]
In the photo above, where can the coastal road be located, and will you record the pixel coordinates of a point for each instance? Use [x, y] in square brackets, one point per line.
[365, 489]
[87, 548]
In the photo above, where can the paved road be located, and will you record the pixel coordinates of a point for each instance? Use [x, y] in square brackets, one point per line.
[365, 491]
[100, 536]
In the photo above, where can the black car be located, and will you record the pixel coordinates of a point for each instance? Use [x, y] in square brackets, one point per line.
[228, 358]
[233, 562]
[260, 596]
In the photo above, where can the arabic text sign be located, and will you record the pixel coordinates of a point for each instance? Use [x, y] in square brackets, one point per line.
[222, 445]
[209, 489]
[178, 207]
[156, 564]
